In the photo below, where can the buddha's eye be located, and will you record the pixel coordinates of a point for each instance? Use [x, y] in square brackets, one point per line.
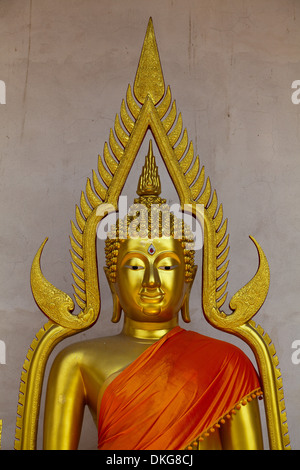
[167, 263]
[168, 267]
[134, 267]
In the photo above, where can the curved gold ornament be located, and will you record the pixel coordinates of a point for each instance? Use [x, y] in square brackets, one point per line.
[59, 303]
[151, 107]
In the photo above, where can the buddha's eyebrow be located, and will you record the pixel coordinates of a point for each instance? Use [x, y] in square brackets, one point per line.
[166, 254]
[162, 253]
[141, 255]
[132, 254]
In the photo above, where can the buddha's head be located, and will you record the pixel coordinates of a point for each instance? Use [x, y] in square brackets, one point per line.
[149, 257]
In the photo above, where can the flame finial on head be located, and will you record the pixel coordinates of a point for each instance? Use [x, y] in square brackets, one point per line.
[149, 187]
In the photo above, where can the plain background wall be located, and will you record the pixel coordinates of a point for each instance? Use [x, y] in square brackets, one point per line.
[230, 65]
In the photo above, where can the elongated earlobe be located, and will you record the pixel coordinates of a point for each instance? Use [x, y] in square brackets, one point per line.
[185, 311]
[117, 309]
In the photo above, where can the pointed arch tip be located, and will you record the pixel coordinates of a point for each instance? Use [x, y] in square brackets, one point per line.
[149, 78]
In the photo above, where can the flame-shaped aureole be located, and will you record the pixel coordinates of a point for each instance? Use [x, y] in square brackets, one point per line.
[150, 107]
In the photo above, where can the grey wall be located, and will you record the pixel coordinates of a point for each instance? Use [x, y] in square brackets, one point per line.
[66, 65]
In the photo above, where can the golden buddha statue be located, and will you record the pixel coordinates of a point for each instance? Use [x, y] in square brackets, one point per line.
[150, 275]
[155, 385]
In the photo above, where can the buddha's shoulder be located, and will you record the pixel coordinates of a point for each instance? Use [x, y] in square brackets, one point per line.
[206, 344]
[115, 348]
[94, 345]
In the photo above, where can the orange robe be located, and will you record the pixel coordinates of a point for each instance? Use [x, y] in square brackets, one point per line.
[178, 388]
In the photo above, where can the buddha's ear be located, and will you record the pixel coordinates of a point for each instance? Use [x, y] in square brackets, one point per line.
[185, 309]
[117, 309]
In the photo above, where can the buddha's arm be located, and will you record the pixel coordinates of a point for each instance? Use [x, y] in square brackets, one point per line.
[65, 403]
[243, 430]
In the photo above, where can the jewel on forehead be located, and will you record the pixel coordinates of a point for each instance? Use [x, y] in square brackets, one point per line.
[151, 249]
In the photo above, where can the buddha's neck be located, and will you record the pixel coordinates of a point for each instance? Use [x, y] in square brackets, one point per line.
[149, 331]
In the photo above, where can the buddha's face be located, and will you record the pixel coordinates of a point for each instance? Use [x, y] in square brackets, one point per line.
[150, 281]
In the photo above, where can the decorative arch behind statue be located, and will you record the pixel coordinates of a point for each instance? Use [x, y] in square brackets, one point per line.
[149, 106]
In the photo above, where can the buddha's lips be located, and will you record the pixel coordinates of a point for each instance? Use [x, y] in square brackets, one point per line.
[151, 298]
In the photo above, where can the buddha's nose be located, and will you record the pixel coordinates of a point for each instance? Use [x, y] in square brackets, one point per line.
[151, 277]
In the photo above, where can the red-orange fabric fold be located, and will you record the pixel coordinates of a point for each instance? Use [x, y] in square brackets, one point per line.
[179, 387]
